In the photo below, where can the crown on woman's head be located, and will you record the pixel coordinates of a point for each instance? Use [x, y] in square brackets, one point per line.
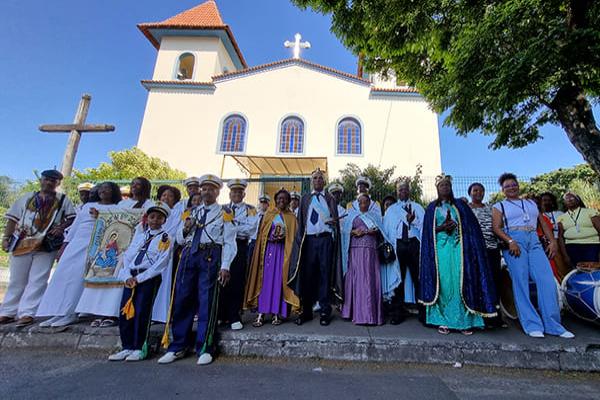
[442, 178]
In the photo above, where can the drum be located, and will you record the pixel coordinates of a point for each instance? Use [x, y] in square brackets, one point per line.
[581, 289]
[507, 297]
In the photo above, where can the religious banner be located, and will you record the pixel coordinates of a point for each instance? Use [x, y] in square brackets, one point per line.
[112, 235]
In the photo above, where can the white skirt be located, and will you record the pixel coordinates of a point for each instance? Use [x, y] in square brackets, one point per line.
[104, 302]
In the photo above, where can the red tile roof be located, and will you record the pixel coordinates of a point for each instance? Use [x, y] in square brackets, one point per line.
[205, 16]
[341, 74]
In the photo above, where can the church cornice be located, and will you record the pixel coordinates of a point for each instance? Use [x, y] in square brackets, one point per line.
[187, 85]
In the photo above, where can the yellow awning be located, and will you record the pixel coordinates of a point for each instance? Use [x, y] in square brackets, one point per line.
[257, 166]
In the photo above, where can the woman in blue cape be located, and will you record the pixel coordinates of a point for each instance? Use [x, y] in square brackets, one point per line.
[366, 281]
[455, 278]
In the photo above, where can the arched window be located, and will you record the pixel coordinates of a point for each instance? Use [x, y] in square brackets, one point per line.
[349, 140]
[233, 137]
[291, 137]
[185, 66]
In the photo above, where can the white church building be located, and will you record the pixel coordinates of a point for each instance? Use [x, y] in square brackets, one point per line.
[209, 112]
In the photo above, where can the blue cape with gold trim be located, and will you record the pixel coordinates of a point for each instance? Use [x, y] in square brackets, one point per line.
[478, 290]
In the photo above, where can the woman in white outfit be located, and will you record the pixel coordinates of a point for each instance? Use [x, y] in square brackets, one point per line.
[170, 196]
[65, 287]
[104, 302]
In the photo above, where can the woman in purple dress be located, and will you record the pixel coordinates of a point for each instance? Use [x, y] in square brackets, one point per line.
[266, 286]
[363, 297]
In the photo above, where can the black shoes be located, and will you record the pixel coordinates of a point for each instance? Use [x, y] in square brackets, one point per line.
[325, 320]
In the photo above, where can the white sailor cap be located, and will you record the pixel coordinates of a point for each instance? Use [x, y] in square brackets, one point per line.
[237, 184]
[192, 180]
[363, 180]
[295, 195]
[335, 187]
[213, 180]
[264, 197]
[125, 189]
[161, 208]
[85, 187]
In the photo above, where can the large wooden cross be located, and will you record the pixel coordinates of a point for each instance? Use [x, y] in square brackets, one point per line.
[76, 128]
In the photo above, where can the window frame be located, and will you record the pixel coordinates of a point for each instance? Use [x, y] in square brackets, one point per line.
[279, 131]
[362, 136]
[221, 133]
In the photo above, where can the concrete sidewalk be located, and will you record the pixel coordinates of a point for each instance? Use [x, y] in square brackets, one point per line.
[409, 342]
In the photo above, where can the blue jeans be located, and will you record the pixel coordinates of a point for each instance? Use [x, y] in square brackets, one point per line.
[533, 263]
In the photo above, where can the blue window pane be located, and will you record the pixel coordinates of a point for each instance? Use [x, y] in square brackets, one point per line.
[233, 136]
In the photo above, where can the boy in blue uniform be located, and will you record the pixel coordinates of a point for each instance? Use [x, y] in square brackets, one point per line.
[143, 263]
[209, 247]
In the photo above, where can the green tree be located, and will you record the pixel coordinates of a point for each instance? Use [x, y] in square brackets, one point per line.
[383, 181]
[503, 67]
[126, 165]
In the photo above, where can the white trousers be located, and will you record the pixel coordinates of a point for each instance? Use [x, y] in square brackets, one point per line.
[27, 282]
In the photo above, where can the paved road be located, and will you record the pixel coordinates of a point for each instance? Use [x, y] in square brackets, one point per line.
[29, 374]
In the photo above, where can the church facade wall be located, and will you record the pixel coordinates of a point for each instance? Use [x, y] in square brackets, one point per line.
[183, 126]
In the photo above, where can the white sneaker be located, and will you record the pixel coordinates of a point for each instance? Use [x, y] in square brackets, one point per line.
[47, 323]
[136, 355]
[64, 321]
[120, 356]
[567, 335]
[170, 356]
[536, 334]
[317, 307]
[204, 359]
[236, 326]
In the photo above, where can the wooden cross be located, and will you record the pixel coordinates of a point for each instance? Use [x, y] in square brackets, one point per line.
[76, 128]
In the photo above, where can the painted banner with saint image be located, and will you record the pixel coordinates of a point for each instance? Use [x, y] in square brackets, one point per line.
[112, 235]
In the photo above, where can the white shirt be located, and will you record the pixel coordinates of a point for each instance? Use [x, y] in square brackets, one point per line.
[155, 261]
[323, 212]
[259, 215]
[216, 230]
[414, 228]
[519, 213]
[130, 203]
[24, 218]
[245, 220]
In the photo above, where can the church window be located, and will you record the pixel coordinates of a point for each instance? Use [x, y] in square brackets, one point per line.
[349, 137]
[185, 66]
[233, 137]
[291, 138]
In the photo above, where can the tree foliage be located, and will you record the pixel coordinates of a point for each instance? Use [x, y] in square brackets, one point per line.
[505, 68]
[581, 179]
[382, 180]
[126, 165]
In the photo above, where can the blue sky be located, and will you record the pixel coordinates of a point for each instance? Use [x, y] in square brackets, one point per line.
[53, 51]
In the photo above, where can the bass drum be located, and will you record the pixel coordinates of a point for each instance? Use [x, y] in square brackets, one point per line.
[507, 297]
[581, 289]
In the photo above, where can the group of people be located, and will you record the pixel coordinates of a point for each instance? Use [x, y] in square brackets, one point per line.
[195, 260]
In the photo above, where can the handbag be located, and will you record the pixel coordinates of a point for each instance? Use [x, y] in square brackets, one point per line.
[51, 242]
[385, 251]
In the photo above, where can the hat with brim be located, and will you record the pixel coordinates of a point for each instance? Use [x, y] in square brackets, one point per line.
[125, 189]
[161, 208]
[85, 187]
[363, 180]
[295, 195]
[211, 180]
[237, 184]
[52, 174]
[265, 198]
[335, 187]
[192, 180]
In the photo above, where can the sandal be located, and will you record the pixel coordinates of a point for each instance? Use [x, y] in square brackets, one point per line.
[259, 321]
[108, 322]
[276, 320]
[96, 323]
[443, 330]
[467, 332]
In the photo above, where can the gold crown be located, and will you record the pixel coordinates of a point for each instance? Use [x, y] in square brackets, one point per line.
[441, 178]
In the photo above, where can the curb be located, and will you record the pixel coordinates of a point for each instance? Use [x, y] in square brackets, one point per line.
[251, 343]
